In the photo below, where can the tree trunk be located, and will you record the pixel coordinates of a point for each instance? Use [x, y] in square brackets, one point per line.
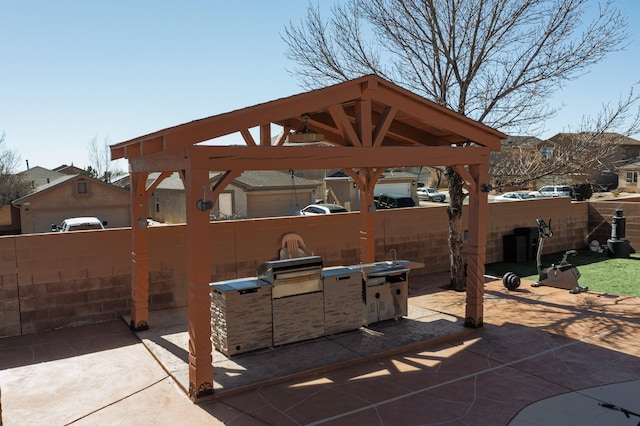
[454, 212]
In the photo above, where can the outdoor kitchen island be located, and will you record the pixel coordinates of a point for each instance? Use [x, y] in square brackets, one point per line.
[292, 300]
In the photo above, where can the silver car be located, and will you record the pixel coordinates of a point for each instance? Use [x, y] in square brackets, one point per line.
[431, 194]
[553, 191]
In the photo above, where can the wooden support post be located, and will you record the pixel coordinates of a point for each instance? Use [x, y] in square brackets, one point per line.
[367, 227]
[476, 245]
[198, 243]
[139, 254]
[366, 181]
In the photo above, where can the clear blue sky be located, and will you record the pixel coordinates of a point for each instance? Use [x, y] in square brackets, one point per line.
[118, 69]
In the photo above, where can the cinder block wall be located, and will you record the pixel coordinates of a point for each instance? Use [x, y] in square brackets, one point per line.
[64, 279]
[71, 278]
[9, 305]
[568, 222]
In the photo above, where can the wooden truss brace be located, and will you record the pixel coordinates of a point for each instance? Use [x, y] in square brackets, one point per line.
[222, 183]
[344, 125]
[153, 185]
[466, 176]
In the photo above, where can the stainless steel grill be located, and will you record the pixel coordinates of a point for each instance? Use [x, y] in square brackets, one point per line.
[297, 298]
[291, 277]
[292, 300]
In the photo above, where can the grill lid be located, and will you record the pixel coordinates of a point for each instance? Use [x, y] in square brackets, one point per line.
[269, 271]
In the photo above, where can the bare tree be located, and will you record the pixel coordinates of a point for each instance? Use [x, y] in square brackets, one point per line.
[11, 186]
[101, 166]
[495, 61]
[594, 149]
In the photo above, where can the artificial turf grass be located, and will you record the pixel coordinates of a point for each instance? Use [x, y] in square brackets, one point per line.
[598, 272]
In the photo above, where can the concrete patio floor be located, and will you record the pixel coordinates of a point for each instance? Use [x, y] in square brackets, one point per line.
[543, 357]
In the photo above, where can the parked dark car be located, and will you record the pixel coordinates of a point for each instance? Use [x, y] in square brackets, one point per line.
[394, 201]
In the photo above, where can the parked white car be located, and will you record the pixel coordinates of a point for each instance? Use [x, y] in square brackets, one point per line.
[553, 191]
[314, 209]
[513, 196]
[78, 224]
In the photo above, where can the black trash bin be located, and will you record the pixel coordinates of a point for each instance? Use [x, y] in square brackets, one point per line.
[531, 236]
[515, 248]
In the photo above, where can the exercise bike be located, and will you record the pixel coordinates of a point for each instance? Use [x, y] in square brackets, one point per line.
[563, 275]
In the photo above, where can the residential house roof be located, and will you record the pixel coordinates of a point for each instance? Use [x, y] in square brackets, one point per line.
[398, 174]
[122, 181]
[631, 166]
[58, 182]
[38, 176]
[260, 179]
[338, 174]
[70, 170]
[521, 142]
[604, 137]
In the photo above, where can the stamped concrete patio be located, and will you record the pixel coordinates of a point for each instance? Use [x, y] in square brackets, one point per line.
[544, 357]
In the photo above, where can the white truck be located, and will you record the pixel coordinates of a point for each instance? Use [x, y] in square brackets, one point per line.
[78, 224]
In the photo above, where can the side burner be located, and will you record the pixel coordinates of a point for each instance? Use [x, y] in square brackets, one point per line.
[385, 290]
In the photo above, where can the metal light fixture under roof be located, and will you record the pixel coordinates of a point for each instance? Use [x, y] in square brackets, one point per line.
[304, 134]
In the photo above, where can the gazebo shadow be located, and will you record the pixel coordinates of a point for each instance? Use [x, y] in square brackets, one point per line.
[167, 339]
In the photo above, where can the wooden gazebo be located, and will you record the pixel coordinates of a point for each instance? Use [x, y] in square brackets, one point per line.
[370, 124]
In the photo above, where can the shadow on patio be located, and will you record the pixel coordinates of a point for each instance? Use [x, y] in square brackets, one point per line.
[545, 356]
[538, 343]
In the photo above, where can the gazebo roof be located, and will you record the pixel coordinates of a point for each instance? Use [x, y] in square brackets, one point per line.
[395, 117]
[368, 124]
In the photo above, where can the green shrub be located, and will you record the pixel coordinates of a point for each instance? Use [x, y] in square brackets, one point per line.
[582, 191]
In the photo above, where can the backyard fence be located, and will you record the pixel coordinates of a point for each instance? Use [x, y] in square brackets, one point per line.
[63, 279]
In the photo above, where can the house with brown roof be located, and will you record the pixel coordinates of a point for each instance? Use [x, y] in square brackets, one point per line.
[72, 196]
[528, 145]
[628, 150]
[29, 179]
[70, 170]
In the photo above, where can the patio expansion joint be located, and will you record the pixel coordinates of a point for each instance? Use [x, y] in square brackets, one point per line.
[112, 403]
[473, 376]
